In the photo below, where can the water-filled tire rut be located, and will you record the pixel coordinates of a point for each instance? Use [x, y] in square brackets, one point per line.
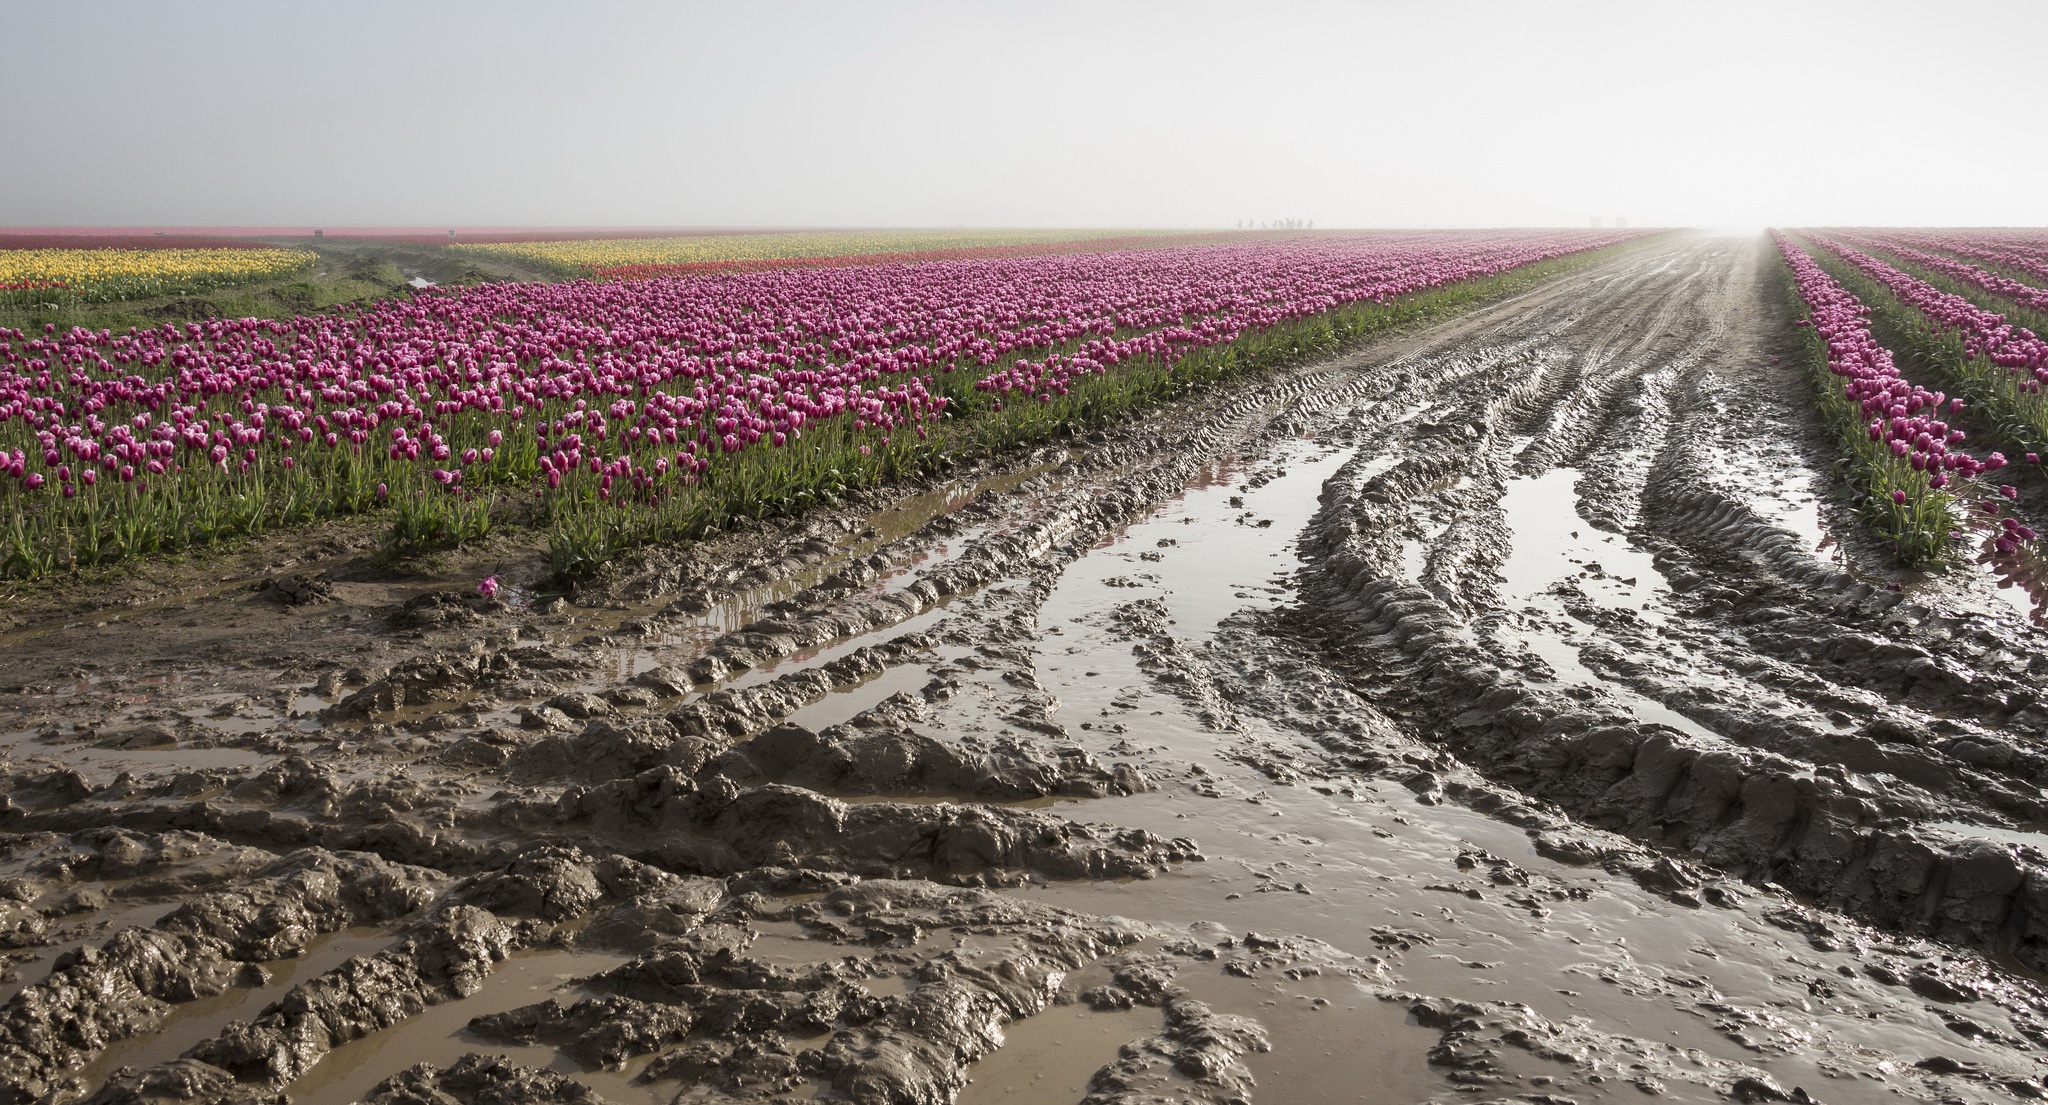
[1476, 715]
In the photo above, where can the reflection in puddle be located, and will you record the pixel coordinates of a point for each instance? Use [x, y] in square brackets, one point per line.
[2019, 579]
[1551, 543]
[833, 649]
[1225, 551]
[1331, 1037]
[1556, 551]
[1796, 510]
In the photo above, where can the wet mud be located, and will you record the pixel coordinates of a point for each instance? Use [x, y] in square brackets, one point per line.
[1504, 711]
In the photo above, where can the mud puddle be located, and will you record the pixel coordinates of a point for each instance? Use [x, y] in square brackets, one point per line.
[1558, 560]
[2035, 839]
[835, 649]
[1220, 545]
[194, 1021]
[1562, 571]
[1054, 1055]
[1449, 901]
[1797, 506]
[1334, 1038]
[844, 703]
[1347, 865]
[347, 1073]
[102, 764]
[1551, 543]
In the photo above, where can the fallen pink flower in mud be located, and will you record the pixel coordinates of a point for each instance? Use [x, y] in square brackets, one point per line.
[488, 587]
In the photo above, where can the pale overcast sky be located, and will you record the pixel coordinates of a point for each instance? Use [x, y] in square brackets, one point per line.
[1097, 113]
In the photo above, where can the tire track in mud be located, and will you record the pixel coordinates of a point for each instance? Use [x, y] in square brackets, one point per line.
[1459, 716]
[1835, 815]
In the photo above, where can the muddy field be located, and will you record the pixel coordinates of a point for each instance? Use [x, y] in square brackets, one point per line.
[1500, 712]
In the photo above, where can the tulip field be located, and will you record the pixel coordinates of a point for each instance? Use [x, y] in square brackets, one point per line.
[669, 387]
[1539, 626]
[612, 412]
[102, 275]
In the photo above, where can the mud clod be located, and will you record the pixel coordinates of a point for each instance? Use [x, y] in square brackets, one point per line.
[481, 1080]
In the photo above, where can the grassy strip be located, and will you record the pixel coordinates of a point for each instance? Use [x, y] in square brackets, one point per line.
[585, 534]
[298, 293]
[1919, 528]
[1996, 397]
[547, 268]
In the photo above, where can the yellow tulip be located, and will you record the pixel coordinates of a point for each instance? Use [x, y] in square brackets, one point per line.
[105, 274]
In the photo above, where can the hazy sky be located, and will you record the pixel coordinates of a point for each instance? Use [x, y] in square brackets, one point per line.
[870, 113]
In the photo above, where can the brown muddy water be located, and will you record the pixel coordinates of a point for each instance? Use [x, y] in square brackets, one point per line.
[1504, 711]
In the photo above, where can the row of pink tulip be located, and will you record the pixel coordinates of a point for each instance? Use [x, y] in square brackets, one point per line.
[647, 380]
[1906, 419]
[1903, 417]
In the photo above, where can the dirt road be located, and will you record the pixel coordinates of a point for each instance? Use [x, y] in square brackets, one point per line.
[1493, 713]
